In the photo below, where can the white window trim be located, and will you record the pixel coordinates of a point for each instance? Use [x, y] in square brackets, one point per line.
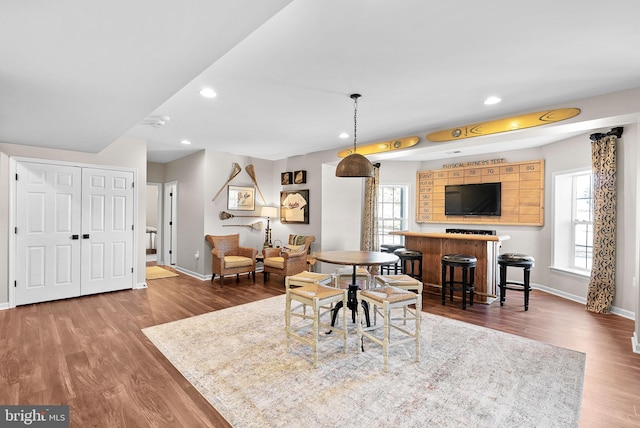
[559, 206]
[407, 202]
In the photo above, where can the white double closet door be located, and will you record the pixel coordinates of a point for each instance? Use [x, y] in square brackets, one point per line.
[74, 231]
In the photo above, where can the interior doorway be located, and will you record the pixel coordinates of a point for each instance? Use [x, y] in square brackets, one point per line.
[170, 223]
[153, 235]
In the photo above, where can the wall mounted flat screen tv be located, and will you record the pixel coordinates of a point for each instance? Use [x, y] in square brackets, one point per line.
[472, 199]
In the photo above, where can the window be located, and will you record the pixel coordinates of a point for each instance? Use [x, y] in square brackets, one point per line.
[573, 222]
[582, 221]
[392, 213]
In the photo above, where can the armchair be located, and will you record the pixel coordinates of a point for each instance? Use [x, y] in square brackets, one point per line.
[289, 260]
[228, 257]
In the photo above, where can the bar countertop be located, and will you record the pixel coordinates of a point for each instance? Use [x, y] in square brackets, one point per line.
[463, 236]
[435, 245]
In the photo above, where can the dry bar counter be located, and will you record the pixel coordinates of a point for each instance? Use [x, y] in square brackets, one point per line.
[470, 242]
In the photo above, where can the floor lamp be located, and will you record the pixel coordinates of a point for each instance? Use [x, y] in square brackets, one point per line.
[269, 213]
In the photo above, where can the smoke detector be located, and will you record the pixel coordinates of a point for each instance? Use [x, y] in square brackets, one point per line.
[156, 121]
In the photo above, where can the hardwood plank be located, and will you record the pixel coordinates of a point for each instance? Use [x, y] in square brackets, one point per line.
[91, 354]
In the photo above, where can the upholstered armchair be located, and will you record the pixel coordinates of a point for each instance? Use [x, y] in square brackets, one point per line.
[228, 257]
[288, 260]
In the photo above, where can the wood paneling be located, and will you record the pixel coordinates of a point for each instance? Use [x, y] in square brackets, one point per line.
[522, 193]
[434, 245]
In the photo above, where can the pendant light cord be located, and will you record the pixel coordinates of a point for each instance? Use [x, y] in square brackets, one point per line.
[355, 123]
[355, 119]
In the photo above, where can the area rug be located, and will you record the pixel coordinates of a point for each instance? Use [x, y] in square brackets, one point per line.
[467, 375]
[157, 272]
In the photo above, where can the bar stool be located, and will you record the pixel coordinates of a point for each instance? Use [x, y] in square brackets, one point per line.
[468, 265]
[389, 298]
[307, 278]
[405, 282]
[390, 248]
[515, 260]
[410, 258]
[320, 298]
[362, 274]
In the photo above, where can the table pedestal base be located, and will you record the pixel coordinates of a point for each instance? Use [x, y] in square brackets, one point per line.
[352, 303]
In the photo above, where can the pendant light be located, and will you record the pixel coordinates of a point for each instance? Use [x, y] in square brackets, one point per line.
[355, 165]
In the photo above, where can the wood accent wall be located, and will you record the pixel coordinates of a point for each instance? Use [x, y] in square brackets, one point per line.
[522, 193]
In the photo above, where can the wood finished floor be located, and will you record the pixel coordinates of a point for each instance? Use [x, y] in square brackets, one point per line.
[90, 353]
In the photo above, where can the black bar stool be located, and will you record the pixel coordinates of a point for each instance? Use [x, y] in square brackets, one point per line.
[468, 265]
[515, 260]
[390, 248]
[411, 262]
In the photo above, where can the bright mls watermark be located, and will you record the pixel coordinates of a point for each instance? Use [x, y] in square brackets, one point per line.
[34, 416]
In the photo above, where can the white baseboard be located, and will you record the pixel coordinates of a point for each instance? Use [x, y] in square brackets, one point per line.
[193, 274]
[4, 306]
[614, 310]
[634, 343]
[559, 293]
[140, 285]
[623, 313]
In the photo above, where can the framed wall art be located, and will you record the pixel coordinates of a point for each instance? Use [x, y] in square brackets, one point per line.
[241, 198]
[294, 206]
[286, 178]
[300, 177]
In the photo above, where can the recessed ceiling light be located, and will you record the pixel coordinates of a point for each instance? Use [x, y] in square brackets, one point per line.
[492, 100]
[343, 135]
[185, 142]
[208, 93]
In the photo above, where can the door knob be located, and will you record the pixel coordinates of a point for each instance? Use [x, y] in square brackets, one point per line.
[75, 236]
[85, 236]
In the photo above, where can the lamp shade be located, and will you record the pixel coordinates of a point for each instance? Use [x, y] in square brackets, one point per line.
[269, 212]
[355, 165]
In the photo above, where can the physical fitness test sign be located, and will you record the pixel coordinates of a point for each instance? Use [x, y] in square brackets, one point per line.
[34, 416]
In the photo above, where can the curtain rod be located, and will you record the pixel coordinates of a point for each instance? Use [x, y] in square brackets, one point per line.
[614, 131]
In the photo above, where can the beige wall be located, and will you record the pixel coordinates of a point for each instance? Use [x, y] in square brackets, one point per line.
[188, 172]
[155, 172]
[152, 206]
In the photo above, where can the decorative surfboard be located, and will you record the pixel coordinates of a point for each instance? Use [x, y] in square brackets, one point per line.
[497, 126]
[382, 147]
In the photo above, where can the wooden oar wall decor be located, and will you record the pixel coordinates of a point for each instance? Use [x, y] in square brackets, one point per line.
[497, 126]
[382, 147]
[235, 170]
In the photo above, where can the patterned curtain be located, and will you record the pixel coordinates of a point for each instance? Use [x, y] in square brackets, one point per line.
[369, 231]
[603, 271]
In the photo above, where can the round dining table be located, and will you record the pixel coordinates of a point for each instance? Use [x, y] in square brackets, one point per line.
[355, 258]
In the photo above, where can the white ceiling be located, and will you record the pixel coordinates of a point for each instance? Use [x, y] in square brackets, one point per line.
[77, 75]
